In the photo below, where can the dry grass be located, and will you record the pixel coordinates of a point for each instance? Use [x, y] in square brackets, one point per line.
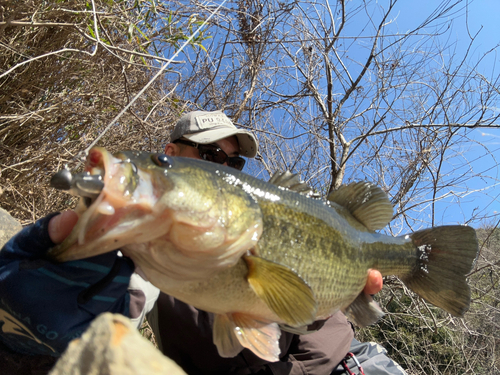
[54, 107]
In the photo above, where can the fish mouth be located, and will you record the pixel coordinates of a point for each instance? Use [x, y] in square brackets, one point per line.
[103, 172]
[99, 169]
[108, 188]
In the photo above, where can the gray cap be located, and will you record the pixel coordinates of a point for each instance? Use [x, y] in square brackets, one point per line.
[209, 127]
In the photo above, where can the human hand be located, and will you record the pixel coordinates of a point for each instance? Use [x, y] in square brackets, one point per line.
[374, 283]
[45, 304]
[60, 226]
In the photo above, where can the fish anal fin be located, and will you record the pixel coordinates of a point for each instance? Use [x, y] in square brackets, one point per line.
[283, 291]
[365, 201]
[225, 337]
[233, 332]
[364, 311]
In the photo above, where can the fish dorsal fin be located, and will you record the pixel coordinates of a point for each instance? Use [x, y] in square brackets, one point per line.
[365, 201]
[283, 291]
[291, 181]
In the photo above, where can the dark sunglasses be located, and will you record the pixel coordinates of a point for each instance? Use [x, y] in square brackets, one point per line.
[215, 154]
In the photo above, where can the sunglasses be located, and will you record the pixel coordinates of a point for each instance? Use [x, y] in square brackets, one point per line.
[215, 154]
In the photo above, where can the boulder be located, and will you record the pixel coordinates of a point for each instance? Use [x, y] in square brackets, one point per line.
[113, 346]
[8, 227]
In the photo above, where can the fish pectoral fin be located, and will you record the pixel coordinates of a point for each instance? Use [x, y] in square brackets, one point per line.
[283, 291]
[261, 337]
[367, 202]
[233, 332]
[364, 311]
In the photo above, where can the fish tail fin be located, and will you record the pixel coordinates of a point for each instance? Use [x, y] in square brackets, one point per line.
[444, 257]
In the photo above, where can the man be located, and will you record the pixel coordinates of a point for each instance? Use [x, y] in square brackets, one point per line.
[183, 332]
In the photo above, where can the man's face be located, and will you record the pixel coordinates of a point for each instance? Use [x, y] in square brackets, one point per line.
[229, 145]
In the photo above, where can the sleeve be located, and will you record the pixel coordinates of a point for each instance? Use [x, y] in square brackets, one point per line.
[43, 304]
[143, 296]
[318, 352]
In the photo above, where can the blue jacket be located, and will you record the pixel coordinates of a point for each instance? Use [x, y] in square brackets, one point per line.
[43, 304]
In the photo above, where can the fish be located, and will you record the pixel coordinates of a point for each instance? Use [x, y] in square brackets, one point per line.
[262, 257]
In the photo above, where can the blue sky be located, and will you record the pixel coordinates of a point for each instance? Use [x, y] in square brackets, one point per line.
[481, 21]
[479, 202]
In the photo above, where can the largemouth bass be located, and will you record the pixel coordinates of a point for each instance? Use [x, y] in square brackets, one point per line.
[257, 255]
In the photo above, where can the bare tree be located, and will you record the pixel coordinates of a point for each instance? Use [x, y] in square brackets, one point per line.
[332, 91]
[337, 96]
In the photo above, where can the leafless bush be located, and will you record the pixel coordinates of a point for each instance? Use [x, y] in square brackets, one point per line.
[66, 72]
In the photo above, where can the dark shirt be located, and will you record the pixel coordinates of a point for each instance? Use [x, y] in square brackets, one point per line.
[186, 336]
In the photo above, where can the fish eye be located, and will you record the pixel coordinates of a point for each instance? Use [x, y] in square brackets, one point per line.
[161, 160]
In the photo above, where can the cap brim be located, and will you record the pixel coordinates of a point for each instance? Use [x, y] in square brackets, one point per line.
[246, 140]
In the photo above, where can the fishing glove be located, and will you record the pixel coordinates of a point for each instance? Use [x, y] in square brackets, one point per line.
[44, 304]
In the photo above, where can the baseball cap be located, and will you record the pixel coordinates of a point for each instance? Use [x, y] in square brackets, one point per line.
[209, 127]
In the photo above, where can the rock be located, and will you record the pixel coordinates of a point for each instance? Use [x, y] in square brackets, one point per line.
[8, 227]
[113, 346]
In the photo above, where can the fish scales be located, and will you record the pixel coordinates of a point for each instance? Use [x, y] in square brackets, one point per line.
[332, 262]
